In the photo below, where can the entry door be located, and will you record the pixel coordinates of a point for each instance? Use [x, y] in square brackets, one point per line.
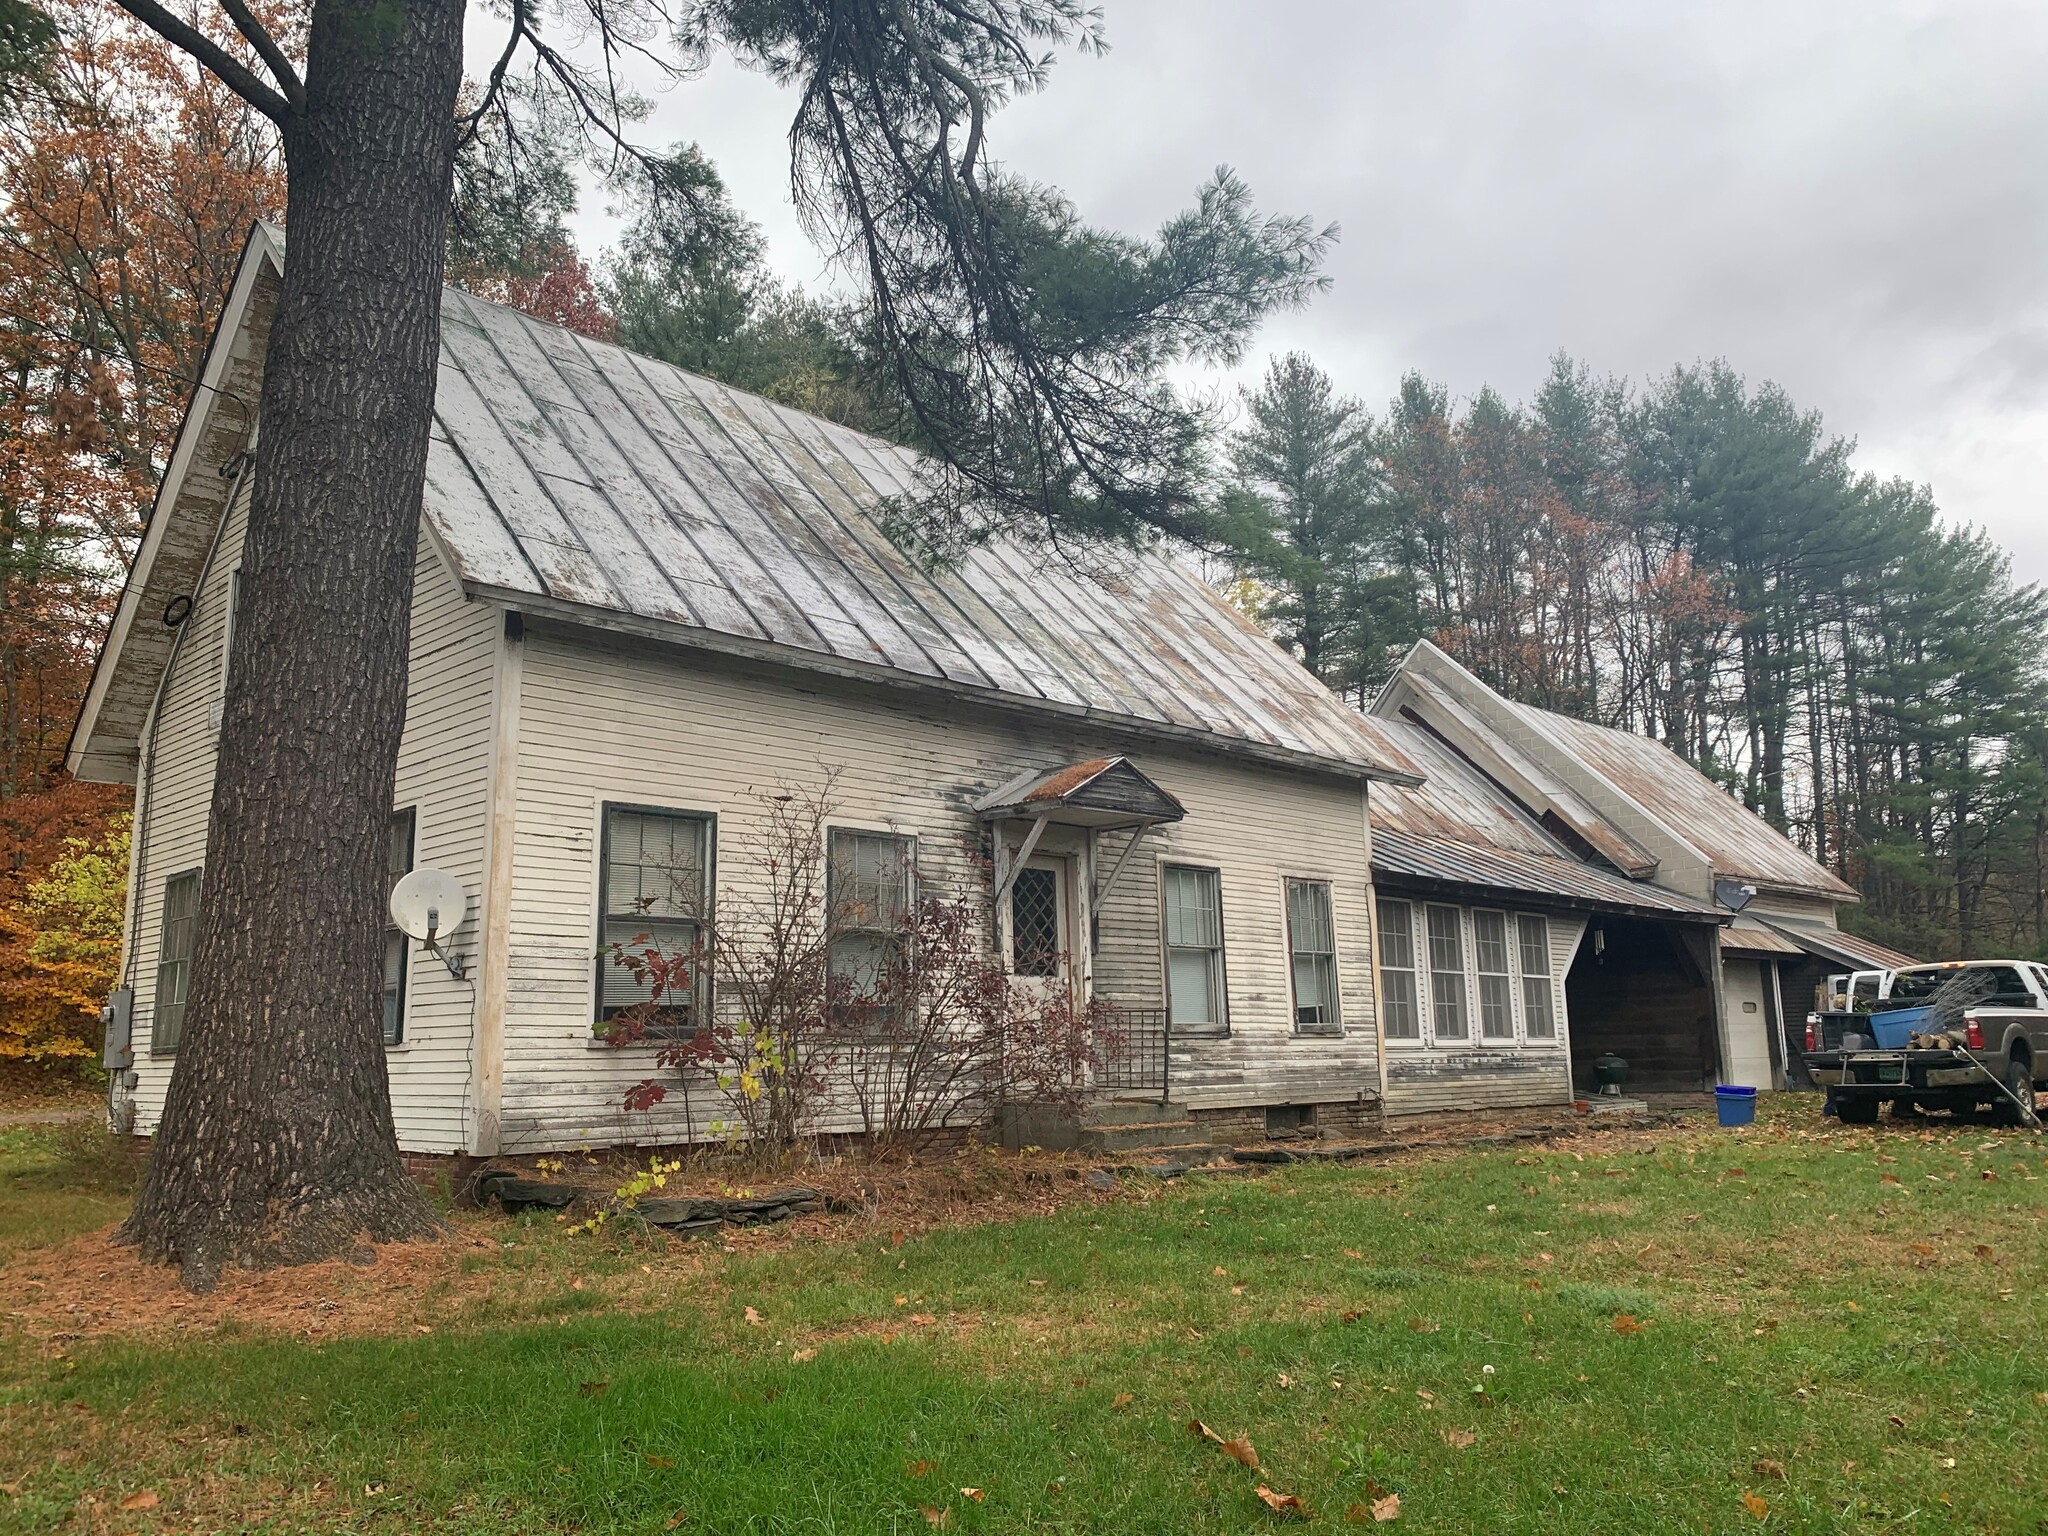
[1040, 926]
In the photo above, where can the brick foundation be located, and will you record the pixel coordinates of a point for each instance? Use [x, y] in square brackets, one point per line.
[1347, 1120]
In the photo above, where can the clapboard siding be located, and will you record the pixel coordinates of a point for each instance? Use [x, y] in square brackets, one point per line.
[620, 722]
[443, 772]
[1485, 1075]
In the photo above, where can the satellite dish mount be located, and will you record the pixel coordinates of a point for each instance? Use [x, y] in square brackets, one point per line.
[429, 905]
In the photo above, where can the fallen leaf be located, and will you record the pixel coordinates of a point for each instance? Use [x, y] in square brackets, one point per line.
[1755, 1505]
[1895, 1421]
[1422, 1325]
[576, 1283]
[1285, 1381]
[1983, 1250]
[680, 1517]
[1626, 1323]
[1353, 1315]
[936, 1516]
[801, 1356]
[923, 1319]
[1387, 1509]
[1353, 1253]
[146, 1499]
[1887, 1178]
[659, 1463]
[753, 1318]
[1121, 1400]
[593, 1388]
[1460, 1439]
[921, 1468]
[1768, 1468]
[1240, 1450]
[902, 1301]
[976, 1494]
[896, 1239]
[1197, 1427]
[1988, 1176]
[1219, 1270]
[1925, 1250]
[1282, 1503]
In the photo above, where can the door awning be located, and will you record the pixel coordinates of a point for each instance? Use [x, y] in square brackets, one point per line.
[1104, 793]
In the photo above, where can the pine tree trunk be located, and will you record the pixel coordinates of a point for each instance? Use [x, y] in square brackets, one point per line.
[277, 1144]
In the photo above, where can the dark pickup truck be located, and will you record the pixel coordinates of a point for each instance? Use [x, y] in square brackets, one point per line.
[1961, 1036]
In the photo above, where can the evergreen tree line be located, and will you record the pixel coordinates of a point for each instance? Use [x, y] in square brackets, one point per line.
[1697, 561]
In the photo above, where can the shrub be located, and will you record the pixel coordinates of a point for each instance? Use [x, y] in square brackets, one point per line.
[60, 950]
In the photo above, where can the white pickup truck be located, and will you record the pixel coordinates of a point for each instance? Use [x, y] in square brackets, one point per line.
[1878, 1050]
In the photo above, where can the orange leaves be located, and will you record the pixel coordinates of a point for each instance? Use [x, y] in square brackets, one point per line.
[1282, 1503]
[146, 1499]
[1379, 1511]
[1768, 1468]
[1758, 1507]
[1459, 1439]
[1238, 1449]
[1626, 1323]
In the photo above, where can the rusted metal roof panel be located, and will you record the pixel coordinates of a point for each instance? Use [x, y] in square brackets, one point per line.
[1398, 857]
[1839, 948]
[569, 470]
[1456, 801]
[1733, 839]
[1746, 936]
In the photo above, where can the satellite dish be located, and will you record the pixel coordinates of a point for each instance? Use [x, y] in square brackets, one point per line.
[428, 904]
[1734, 894]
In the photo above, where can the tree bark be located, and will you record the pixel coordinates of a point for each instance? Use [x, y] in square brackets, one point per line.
[277, 1144]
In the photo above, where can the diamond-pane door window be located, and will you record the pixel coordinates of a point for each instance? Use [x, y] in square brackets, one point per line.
[1035, 922]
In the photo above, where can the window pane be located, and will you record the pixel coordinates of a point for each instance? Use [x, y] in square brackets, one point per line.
[1397, 936]
[1035, 923]
[1191, 986]
[1535, 946]
[1194, 908]
[868, 880]
[657, 864]
[1447, 975]
[1315, 989]
[1397, 1007]
[179, 934]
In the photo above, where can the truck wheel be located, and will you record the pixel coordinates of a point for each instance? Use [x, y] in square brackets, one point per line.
[2019, 1077]
[1857, 1111]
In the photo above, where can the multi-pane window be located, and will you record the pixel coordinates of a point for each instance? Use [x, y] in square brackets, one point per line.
[1312, 944]
[397, 864]
[1496, 985]
[1399, 1016]
[868, 896]
[1194, 947]
[1539, 1016]
[1035, 922]
[1447, 975]
[180, 935]
[656, 885]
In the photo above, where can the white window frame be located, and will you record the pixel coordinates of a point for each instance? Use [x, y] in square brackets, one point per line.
[1334, 1025]
[1554, 982]
[701, 1004]
[394, 1023]
[1219, 965]
[1417, 999]
[834, 930]
[1463, 973]
[158, 1044]
[1509, 937]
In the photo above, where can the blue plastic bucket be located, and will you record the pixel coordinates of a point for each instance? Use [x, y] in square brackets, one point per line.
[1736, 1106]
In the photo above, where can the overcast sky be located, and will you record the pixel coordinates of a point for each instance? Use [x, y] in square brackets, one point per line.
[1849, 197]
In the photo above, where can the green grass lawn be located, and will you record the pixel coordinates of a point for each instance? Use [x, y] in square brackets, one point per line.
[1641, 1333]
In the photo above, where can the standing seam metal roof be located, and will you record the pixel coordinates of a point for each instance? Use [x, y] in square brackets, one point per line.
[569, 469]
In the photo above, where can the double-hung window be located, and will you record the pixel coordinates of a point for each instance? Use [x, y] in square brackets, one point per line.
[397, 864]
[1448, 1021]
[1312, 945]
[656, 894]
[1194, 948]
[176, 941]
[868, 895]
[1399, 1015]
[1539, 1013]
[1496, 986]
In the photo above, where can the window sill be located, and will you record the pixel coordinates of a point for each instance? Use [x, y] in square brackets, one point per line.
[1319, 1031]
